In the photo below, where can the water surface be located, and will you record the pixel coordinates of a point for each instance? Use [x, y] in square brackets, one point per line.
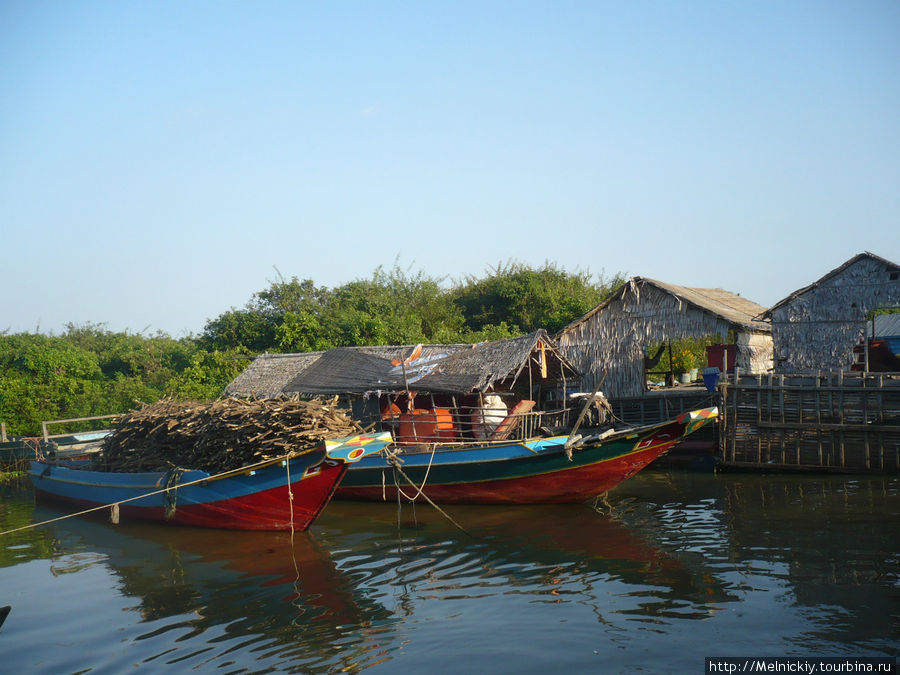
[670, 568]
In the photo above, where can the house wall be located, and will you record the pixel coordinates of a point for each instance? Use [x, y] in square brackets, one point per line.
[611, 341]
[756, 350]
[818, 329]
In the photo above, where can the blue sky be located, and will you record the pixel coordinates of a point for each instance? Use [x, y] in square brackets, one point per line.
[160, 162]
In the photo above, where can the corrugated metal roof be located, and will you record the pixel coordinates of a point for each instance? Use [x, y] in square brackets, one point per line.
[887, 325]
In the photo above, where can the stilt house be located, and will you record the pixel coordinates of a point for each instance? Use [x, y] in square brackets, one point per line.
[818, 327]
[609, 341]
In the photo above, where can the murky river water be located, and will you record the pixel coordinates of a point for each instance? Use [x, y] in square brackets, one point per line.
[672, 568]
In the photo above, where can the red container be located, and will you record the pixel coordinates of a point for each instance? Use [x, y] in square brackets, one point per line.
[715, 357]
[426, 426]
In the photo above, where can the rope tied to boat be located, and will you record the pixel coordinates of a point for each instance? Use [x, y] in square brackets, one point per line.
[171, 481]
[393, 457]
[205, 479]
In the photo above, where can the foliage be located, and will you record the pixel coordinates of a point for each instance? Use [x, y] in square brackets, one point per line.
[207, 375]
[527, 299]
[872, 313]
[248, 329]
[687, 353]
[89, 370]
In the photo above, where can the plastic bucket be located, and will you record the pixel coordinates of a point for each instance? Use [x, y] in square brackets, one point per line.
[710, 380]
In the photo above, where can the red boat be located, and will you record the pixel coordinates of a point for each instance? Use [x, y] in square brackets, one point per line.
[501, 422]
[533, 471]
[286, 493]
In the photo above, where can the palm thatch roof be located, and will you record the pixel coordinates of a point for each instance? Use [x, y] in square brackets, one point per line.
[864, 256]
[818, 326]
[729, 307]
[452, 368]
[608, 343]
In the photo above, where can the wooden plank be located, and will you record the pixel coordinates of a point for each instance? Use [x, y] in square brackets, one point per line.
[841, 417]
[758, 420]
[769, 411]
[812, 426]
[881, 417]
[819, 413]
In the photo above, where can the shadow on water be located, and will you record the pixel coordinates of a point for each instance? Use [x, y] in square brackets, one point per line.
[791, 565]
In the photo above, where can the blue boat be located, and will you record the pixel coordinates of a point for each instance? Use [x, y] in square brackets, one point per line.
[279, 494]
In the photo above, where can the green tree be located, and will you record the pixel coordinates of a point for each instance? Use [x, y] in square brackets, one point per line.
[43, 377]
[392, 307]
[259, 326]
[207, 375]
[248, 329]
[526, 299]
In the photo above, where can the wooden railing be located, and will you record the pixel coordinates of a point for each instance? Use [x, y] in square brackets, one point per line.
[470, 425]
[833, 421]
[46, 425]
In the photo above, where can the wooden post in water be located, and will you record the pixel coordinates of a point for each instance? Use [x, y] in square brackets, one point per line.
[865, 398]
[880, 419]
[841, 416]
[758, 417]
[819, 413]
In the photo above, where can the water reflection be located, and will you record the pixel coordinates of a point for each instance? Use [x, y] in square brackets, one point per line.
[831, 540]
[720, 564]
[556, 553]
[269, 590]
[19, 547]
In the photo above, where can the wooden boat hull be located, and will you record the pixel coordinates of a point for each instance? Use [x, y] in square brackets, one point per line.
[283, 495]
[530, 472]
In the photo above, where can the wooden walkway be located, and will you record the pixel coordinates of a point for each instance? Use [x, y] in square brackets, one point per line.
[832, 421]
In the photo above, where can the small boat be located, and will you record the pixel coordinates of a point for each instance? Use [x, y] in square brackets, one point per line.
[492, 423]
[16, 451]
[279, 494]
[536, 471]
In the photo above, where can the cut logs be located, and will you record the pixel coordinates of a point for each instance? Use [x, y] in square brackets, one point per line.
[219, 436]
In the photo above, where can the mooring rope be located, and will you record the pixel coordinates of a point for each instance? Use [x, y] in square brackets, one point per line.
[296, 583]
[111, 505]
[287, 465]
[394, 458]
[171, 483]
[427, 499]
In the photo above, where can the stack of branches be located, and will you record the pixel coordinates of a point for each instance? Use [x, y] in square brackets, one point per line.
[219, 436]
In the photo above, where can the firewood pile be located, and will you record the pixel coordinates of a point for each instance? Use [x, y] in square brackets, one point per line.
[219, 436]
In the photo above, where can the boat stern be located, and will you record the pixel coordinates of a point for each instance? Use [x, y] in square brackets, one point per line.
[693, 420]
[353, 448]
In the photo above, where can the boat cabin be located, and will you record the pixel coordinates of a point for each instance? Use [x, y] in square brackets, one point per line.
[493, 391]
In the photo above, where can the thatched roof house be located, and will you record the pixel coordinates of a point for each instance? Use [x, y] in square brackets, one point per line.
[817, 326]
[610, 339]
[530, 360]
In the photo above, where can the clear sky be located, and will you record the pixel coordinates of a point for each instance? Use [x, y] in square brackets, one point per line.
[160, 162]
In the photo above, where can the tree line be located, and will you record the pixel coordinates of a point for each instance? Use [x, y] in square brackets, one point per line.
[88, 370]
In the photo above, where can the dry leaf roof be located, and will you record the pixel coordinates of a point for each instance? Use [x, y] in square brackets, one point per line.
[451, 368]
[723, 304]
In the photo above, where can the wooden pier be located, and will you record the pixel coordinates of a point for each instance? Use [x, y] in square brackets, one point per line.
[662, 404]
[827, 421]
[699, 450]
